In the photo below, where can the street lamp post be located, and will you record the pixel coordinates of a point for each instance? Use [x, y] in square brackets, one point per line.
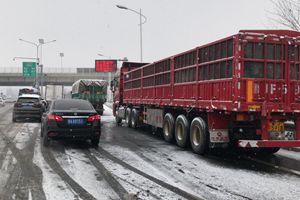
[141, 23]
[61, 61]
[37, 58]
[37, 45]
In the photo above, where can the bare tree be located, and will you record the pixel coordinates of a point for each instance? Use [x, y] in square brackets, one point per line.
[287, 13]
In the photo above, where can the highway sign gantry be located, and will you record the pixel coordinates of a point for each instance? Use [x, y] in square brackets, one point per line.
[29, 69]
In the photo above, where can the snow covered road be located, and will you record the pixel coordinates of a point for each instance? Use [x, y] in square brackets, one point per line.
[131, 164]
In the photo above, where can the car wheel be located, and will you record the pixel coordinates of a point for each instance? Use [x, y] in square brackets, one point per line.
[95, 141]
[46, 140]
[198, 135]
[182, 131]
[168, 127]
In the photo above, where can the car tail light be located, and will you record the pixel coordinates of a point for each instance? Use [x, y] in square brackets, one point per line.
[94, 118]
[18, 104]
[55, 118]
[52, 134]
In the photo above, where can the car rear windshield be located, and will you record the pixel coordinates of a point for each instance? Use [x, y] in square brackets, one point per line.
[28, 100]
[71, 105]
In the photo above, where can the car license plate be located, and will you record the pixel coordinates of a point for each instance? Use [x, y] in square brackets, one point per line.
[75, 121]
[276, 127]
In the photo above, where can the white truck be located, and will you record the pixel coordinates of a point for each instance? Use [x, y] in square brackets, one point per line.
[53, 92]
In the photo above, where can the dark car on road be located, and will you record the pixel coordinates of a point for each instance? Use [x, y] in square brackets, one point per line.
[71, 119]
[28, 106]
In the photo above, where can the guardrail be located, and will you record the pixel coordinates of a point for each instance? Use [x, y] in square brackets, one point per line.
[52, 70]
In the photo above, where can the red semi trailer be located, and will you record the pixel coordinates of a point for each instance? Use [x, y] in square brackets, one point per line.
[242, 91]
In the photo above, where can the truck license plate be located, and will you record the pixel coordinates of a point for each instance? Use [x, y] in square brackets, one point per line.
[276, 127]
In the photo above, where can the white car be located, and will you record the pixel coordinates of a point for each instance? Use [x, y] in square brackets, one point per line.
[2, 102]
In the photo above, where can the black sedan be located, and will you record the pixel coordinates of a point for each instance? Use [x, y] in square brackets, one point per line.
[71, 119]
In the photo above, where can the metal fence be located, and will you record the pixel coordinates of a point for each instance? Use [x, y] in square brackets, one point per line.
[83, 70]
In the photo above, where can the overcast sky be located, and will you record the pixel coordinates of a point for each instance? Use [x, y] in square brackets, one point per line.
[84, 28]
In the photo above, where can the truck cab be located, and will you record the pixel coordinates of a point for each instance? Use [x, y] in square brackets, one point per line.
[117, 82]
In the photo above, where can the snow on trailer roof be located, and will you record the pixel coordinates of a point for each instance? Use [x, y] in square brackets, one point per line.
[91, 82]
[289, 33]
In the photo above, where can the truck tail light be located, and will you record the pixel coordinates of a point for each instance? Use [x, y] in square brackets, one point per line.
[55, 118]
[242, 117]
[94, 118]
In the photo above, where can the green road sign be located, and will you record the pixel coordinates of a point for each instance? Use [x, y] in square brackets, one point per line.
[29, 69]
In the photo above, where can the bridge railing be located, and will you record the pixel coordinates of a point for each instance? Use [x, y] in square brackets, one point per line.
[54, 70]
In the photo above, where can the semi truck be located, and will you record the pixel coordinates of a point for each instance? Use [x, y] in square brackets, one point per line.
[53, 92]
[93, 90]
[242, 91]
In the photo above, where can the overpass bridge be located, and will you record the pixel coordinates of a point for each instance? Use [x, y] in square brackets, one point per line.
[13, 76]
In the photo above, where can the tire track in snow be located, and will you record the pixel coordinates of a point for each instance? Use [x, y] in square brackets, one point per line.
[15, 176]
[6, 148]
[123, 194]
[55, 166]
[110, 179]
[163, 184]
[30, 177]
[211, 187]
[16, 186]
[12, 184]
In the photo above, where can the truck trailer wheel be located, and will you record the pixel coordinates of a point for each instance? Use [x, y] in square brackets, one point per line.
[198, 135]
[128, 117]
[181, 131]
[118, 120]
[168, 127]
[268, 151]
[134, 118]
